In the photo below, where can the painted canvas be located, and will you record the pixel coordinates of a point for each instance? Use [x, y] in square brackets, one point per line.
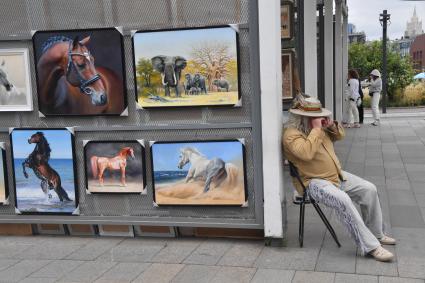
[187, 67]
[114, 167]
[199, 173]
[15, 80]
[3, 176]
[287, 79]
[44, 174]
[80, 72]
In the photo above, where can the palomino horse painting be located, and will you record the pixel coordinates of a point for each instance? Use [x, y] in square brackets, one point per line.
[199, 173]
[48, 153]
[80, 72]
[114, 167]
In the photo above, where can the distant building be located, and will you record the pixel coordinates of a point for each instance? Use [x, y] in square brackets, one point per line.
[414, 27]
[354, 36]
[402, 46]
[417, 53]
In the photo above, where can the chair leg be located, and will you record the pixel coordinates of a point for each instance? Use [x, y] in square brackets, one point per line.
[325, 220]
[301, 226]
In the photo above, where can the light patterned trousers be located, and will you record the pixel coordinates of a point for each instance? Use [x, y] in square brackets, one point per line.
[365, 229]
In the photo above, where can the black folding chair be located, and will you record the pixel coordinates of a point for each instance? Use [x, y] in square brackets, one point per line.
[306, 198]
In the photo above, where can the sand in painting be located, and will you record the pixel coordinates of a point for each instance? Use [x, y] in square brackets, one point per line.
[114, 186]
[212, 98]
[229, 192]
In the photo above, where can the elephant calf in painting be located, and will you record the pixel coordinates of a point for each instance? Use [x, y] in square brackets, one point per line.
[170, 68]
[221, 85]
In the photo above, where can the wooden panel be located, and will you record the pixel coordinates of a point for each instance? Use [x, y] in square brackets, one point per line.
[116, 228]
[16, 229]
[81, 228]
[229, 233]
[51, 227]
[155, 229]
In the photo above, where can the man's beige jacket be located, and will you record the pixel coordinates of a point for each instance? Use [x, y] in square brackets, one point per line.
[314, 155]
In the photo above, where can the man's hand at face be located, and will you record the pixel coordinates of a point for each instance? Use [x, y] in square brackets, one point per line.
[317, 122]
[328, 122]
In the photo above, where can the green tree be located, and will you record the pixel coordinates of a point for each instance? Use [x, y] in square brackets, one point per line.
[144, 71]
[364, 57]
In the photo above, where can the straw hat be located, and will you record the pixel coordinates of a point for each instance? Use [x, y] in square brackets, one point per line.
[308, 106]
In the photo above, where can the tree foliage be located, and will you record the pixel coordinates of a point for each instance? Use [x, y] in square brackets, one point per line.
[364, 57]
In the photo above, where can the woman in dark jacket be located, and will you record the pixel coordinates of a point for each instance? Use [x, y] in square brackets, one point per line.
[361, 114]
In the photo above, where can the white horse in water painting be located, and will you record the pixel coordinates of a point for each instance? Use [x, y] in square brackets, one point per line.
[202, 168]
[9, 93]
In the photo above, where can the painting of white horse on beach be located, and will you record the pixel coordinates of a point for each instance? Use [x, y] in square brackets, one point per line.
[15, 85]
[199, 173]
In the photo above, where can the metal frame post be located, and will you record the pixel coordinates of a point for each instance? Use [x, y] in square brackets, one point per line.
[384, 17]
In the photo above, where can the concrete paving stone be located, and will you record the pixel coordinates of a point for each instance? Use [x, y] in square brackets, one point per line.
[423, 212]
[312, 276]
[313, 233]
[87, 272]
[273, 276]
[37, 280]
[393, 165]
[159, 273]
[355, 278]
[209, 252]
[411, 266]
[230, 274]
[23, 240]
[416, 176]
[5, 263]
[420, 199]
[386, 279]
[21, 270]
[196, 273]
[124, 271]
[395, 174]
[418, 187]
[406, 216]
[10, 250]
[57, 269]
[398, 185]
[410, 241]
[401, 197]
[134, 250]
[374, 161]
[47, 251]
[242, 254]
[368, 265]
[287, 258]
[414, 167]
[377, 170]
[176, 251]
[93, 249]
[377, 180]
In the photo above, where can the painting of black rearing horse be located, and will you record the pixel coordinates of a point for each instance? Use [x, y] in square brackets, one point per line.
[45, 181]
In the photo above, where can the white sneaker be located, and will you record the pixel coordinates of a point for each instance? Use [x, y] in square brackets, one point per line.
[386, 240]
[381, 254]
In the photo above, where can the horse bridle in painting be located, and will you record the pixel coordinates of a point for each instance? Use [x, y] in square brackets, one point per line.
[74, 76]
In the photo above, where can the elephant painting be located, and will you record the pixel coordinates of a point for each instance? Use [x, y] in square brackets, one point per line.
[221, 85]
[199, 82]
[170, 68]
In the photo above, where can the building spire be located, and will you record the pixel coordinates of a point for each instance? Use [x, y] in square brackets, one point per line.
[414, 12]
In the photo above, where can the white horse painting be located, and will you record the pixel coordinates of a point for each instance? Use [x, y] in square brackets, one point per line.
[9, 94]
[202, 168]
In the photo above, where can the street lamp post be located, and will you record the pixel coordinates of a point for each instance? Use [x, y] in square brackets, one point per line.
[383, 19]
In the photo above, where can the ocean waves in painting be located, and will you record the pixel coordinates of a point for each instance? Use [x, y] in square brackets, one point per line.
[31, 198]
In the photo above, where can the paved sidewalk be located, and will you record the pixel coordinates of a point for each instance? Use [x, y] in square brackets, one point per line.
[392, 156]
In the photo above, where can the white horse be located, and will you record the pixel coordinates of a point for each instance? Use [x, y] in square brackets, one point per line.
[202, 168]
[8, 92]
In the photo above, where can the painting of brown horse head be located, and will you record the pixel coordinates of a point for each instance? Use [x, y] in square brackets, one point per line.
[71, 83]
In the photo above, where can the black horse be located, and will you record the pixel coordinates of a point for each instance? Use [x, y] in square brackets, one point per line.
[38, 161]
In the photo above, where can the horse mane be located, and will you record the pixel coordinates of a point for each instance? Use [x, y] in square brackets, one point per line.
[52, 41]
[44, 145]
[191, 149]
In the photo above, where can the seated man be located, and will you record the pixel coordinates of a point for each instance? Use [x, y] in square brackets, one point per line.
[308, 143]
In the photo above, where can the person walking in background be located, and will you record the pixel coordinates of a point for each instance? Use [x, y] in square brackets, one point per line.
[375, 88]
[353, 98]
[360, 107]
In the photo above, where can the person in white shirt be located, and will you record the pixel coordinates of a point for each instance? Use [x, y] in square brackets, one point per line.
[353, 99]
[375, 88]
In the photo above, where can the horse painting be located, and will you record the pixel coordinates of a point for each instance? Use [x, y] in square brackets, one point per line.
[38, 161]
[69, 82]
[118, 162]
[208, 170]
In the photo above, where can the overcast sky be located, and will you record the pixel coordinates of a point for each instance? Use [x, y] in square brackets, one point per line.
[364, 14]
